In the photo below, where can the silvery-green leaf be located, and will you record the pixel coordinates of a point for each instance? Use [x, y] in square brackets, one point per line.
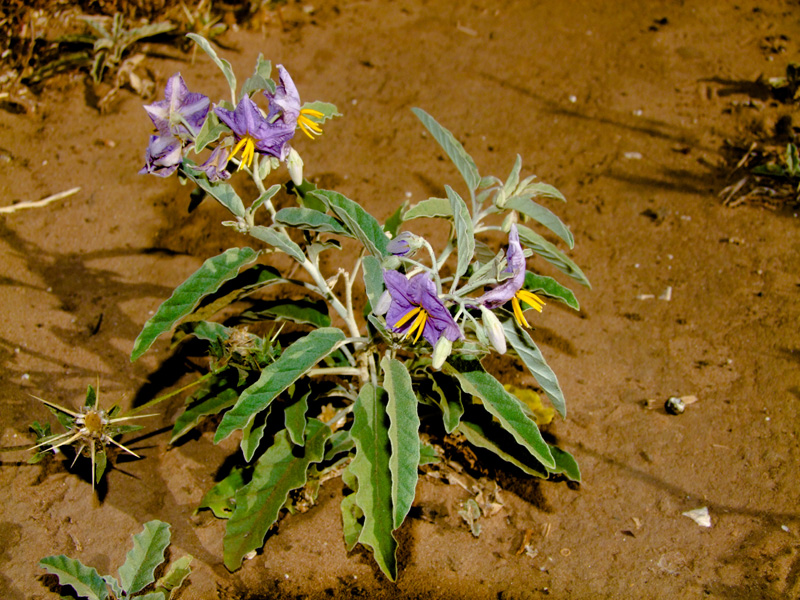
[351, 516]
[222, 192]
[428, 455]
[260, 79]
[403, 436]
[541, 215]
[530, 354]
[453, 148]
[551, 254]
[311, 312]
[565, 464]
[513, 178]
[340, 442]
[544, 190]
[295, 361]
[551, 288]
[358, 222]
[206, 280]
[373, 473]
[432, 207]
[327, 109]
[209, 132]
[465, 235]
[252, 434]
[448, 398]
[175, 576]
[267, 195]
[277, 472]
[84, 580]
[312, 220]
[373, 279]
[147, 553]
[220, 498]
[295, 419]
[223, 64]
[279, 240]
[393, 223]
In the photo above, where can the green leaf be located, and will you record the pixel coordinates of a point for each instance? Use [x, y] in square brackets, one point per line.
[565, 464]
[506, 408]
[373, 473]
[309, 219]
[465, 236]
[251, 437]
[513, 178]
[175, 576]
[209, 132]
[542, 215]
[206, 280]
[359, 222]
[267, 195]
[298, 358]
[277, 473]
[428, 455]
[220, 497]
[543, 190]
[339, 443]
[551, 288]
[493, 438]
[217, 396]
[312, 312]
[327, 109]
[551, 254]
[373, 279]
[222, 192]
[403, 436]
[449, 399]
[152, 596]
[84, 580]
[432, 207]
[113, 584]
[295, 419]
[393, 223]
[260, 79]
[453, 148]
[530, 354]
[100, 464]
[278, 239]
[147, 553]
[223, 64]
[208, 331]
[350, 521]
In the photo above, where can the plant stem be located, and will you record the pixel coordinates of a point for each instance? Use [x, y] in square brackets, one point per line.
[171, 394]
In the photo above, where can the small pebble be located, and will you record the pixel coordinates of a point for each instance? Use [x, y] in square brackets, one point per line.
[675, 406]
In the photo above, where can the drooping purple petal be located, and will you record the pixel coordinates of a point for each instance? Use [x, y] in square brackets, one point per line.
[515, 258]
[163, 155]
[179, 108]
[248, 120]
[285, 101]
[402, 302]
[215, 167]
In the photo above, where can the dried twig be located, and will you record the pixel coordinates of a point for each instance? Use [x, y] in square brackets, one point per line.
[39, 203]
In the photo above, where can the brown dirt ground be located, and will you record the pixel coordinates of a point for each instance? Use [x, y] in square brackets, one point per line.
[575, 88]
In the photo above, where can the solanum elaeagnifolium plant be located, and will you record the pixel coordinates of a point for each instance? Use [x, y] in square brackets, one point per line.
[348, 389]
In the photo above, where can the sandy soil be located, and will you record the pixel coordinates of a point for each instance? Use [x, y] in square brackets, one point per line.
[624, 107]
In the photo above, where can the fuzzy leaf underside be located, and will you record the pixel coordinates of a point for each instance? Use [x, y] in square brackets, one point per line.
[142, 560]
[361, 225]
[430, 208]
[507, 409]
[206, 280]
[309, 219]
[373, 473]
[373, 279]
[551, 254]
[84, 580]
[298, 358]
[258, 504]
[403, 436]
[453, 148]
[541, 215]
[464, 232]
[279, 240]
[550, 287]
[530, 354]
[175, 576]
[222, 192]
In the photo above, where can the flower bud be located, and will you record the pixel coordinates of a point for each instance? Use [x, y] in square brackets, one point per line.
[494, 330]
[382, 307]
[441, 351]
[511, 219]
[295, 166]
[405, 244]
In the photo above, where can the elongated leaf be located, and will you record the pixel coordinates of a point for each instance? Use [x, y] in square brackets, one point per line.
[543, 190]
[486, 436]
[350, 521]
[175, 576]
[292, 364]
[267, 195]
[453, 148]
[277, 473]
[209, 132]
[565, 464]
[147, 553]
[551, 254]
[295, 419]
[403, 436]
[428, 455]
[432, 207]
[513, 178]
[206, 280]
[465, 236]
[394, 221]
[84, 580]
[220, 498]
[152, 596]
[373, 473]
[312, 312]
[218, 396]
[506, 408]
[339, 443]
[358, 222]
[251, 436]
[449, 399]
[530, 354]
[260, 79]
[373, 279]
[312, 220]
[222, 192]
[223, 64]
[551, 288]
[542, 215]
[278, 239]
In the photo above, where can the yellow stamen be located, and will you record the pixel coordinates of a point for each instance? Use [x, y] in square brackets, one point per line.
[418, 324]
[248, 152]
[309, 127]
[312, 112]
[531, 299]
[518, 313]
[407, 317]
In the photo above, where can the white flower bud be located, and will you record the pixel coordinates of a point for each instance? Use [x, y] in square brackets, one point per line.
[440, 352]
[494, 330]
[384, 302]
[295, 166]
[511, 219]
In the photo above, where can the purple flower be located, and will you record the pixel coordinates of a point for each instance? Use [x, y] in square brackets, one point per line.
[163, 155]
[511, 288]
[181, 113]
[285, 104]
[415, 307]
[404, 244]
[254, 132]
[215, 167]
